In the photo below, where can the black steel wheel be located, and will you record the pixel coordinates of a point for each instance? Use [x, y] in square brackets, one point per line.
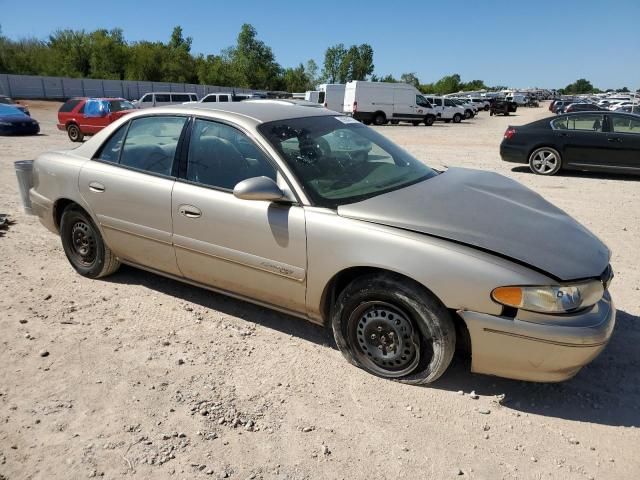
[84, 246]
[394, 328]
[429, 120]
[379, 119]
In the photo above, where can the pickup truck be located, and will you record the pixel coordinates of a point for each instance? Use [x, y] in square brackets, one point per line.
[502, 107]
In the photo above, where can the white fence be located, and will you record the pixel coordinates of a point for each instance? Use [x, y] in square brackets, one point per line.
[60, 88]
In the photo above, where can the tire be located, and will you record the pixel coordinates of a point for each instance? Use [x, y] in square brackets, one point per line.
[429, 120]
[545, 161]
[486, 108]
[415, 123]
[379, 119]
[457, 118]
[396, 308]
[74, 133]
[84, 246]
[468, 114]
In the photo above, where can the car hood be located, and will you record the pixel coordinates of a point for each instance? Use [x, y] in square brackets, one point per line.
[494, 213]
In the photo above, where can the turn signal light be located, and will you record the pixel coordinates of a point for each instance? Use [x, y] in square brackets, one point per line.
[508, 295]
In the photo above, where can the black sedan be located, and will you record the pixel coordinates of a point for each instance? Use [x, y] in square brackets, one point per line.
[14, 122]
[596, 141]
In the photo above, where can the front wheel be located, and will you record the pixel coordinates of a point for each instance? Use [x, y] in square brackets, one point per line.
[467, 114]
[457, 118]
[84, 246]
[545, 161]
[74, 133]
[394, 328]
[429, 120]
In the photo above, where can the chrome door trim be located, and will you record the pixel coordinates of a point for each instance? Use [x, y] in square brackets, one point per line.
[240, 258]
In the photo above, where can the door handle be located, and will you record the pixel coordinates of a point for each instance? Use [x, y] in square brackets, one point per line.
[96, 187]
[614, 139]
[189, 211]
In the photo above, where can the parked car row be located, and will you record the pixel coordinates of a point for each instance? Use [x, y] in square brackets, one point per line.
[13, 121]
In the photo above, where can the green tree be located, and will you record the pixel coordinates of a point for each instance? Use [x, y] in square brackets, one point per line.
[253, 61]
[146, 62]
[108, 54]
[581, 85]
[311, 71]
[361, 62]
[410, 78]
[70, 53]
[333, 63]
[296, 79]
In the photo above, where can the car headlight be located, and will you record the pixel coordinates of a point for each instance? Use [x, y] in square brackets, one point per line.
[551, 298]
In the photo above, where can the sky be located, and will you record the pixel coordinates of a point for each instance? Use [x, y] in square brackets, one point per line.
[540, 43]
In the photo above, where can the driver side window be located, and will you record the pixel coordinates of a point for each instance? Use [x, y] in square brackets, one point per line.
[220, 156]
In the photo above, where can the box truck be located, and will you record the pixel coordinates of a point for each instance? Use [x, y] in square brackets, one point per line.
[382, 102]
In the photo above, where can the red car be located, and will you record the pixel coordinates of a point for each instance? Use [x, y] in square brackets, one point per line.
[87, 116]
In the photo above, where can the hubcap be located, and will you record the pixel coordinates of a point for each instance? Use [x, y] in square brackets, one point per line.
[544, 161]
[386, 342]
[83, 243]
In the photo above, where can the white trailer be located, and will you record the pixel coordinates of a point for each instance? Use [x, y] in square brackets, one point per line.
[381, 102]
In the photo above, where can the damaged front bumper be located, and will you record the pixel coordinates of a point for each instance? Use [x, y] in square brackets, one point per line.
[538, 347]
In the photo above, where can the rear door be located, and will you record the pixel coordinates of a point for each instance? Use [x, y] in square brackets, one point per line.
[582, 139]
[128, 187]
[624, 138]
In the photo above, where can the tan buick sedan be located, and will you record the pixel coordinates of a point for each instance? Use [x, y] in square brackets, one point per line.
[311, 213]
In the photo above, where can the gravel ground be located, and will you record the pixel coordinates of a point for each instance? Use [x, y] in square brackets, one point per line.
[137, 376]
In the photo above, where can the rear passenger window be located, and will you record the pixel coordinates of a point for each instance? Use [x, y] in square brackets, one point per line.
[151, 144]
[164, 98]
[180, 97]
[223, 98]
[590, 122]
[110, 150]
[221, 156]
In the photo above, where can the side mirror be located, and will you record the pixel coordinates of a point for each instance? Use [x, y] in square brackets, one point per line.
[259, 188]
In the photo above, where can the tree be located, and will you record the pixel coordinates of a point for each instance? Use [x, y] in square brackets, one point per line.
[146, 62]
[311, 71]
[253, 61]
[581, 85]
[70, 53]
[333, 61]
[108, 54]
[410, 78]
[296, 79]
[361, 62]
[622, 90]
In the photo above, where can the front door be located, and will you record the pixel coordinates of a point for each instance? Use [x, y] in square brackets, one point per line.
[256, 249]
[128, 188]
[624, 138]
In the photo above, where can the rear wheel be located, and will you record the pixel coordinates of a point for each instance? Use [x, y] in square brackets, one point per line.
[74, 133]
[84, 246]
[545, 161]
[394, 328]
[379, 119]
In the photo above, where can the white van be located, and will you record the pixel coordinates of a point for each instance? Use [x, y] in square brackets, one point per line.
[160, 99]
[311, 96]
[446, 109]
[331, 96]
[381, 102]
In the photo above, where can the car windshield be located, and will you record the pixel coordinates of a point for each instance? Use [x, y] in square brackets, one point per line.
[119, 105]
[339, 161]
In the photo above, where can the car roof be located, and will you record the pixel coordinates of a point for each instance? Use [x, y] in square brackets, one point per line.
[260, 112]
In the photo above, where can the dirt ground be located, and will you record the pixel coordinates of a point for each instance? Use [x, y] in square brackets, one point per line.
[148, 378]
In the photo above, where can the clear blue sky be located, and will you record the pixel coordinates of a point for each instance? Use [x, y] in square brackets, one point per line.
[520, 44]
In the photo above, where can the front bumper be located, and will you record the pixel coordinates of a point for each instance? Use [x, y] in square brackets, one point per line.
[538, 347]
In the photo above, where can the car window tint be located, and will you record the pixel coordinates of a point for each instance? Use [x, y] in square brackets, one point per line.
[223, 98]
[151, 143]
[180, 97]
[221, 156]
[625, 124]
[163, 98]
[589, 122]
[147, 98]
[110, 150]
[209, 98]
[69, 105]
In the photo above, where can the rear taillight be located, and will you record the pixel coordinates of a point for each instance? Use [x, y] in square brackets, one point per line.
[508, 135]
[354, 109]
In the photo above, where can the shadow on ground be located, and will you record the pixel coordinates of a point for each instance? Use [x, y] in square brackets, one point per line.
[606, 392]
